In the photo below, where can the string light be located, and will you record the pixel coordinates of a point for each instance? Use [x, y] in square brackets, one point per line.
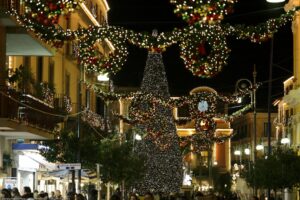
[202, 43]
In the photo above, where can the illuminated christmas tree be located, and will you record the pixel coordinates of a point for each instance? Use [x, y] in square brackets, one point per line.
[160, 145]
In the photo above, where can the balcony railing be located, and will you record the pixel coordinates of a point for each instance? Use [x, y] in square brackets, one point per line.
[26, 109]
[6, 5]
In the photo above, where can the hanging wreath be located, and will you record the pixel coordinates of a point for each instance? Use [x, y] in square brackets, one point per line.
[205, 125]
[202, 11]
[90, 54]
[47, 12]
[204, 50]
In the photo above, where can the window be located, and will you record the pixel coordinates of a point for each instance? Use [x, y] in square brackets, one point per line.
[67, 85]
[183, 111]
[246, 131]
[100, 106]
[51, 72]
[39, 70]
[87, 98]
[26, 61]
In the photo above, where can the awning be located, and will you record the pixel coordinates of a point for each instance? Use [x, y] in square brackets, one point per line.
[38, 159]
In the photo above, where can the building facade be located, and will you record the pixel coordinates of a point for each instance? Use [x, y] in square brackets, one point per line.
[41, 87]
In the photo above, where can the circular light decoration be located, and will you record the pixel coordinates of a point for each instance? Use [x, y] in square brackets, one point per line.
[202, 11]
[90, 54]
[47, 12]
[194, 51]
[205, 125]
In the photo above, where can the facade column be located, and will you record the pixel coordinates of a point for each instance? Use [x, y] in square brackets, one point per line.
[296, 55]
[296, 46]
[3, 72]
[296, 38]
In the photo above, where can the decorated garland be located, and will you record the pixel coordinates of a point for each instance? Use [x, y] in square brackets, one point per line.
[202, 11]
[95, 120]
[90, 57]
[204, 56]
[47, 12]
[197, 142]
[195, 54]
[260, 32]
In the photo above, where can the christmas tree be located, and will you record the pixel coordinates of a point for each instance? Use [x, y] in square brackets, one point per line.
[160, 144]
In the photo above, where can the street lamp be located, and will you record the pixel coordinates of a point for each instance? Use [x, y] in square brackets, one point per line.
[244, 84]
[275, 1]
[259, 147]
[285, 141]
[247, 151]
[103, 77]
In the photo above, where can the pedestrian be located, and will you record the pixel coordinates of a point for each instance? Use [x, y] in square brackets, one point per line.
[58, 195]
[5, 193]
[133, 196]
[198, 195]
[254, 198]
[115, 196]
[15, 194]
[148, 196]
[79, 197]
[27, 194]
[71, 196]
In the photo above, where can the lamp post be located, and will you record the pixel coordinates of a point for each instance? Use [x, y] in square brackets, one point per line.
[241, 85]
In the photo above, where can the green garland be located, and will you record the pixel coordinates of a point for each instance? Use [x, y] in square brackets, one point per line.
[47, 12]
[194, 52]
[203, 45]
[202, 11]
[89, 55]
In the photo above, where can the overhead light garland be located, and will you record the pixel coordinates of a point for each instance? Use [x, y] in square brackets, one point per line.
[260, 32]
[95, 120]
[197, 58]
[203, 11]
[89, 55]
[47, 12]
[204, 56]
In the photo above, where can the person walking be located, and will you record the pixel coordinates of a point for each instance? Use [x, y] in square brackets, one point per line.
[27, 194]
[15, 194]
[5, 193]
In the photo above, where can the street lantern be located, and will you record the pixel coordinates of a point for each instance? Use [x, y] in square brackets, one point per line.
[259, 147]
[103, 77]
[275, 1]
[285, 141]
[243, 85]
[247, 151]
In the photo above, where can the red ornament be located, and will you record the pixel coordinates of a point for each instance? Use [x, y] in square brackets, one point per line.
[202, 50]
[200, 70]
[46, 22]
[52, 6]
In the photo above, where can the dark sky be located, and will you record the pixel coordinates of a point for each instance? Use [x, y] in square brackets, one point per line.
[142, 15]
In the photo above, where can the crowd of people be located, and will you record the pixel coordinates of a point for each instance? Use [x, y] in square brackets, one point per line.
[15, 194]
[27, 194]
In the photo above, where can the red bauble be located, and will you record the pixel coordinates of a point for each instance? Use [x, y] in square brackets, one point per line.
[52, 6]
[202, 50]
[46, 22]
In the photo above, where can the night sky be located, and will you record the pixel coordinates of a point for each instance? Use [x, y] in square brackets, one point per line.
[141, 15]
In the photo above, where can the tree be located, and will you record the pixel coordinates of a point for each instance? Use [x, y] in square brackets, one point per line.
[280, 170]
[120, 163]
[160, 145]
[64, 148]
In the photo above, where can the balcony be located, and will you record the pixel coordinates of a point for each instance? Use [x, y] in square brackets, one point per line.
[29, 111]
[292, 98]
[18, 40]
